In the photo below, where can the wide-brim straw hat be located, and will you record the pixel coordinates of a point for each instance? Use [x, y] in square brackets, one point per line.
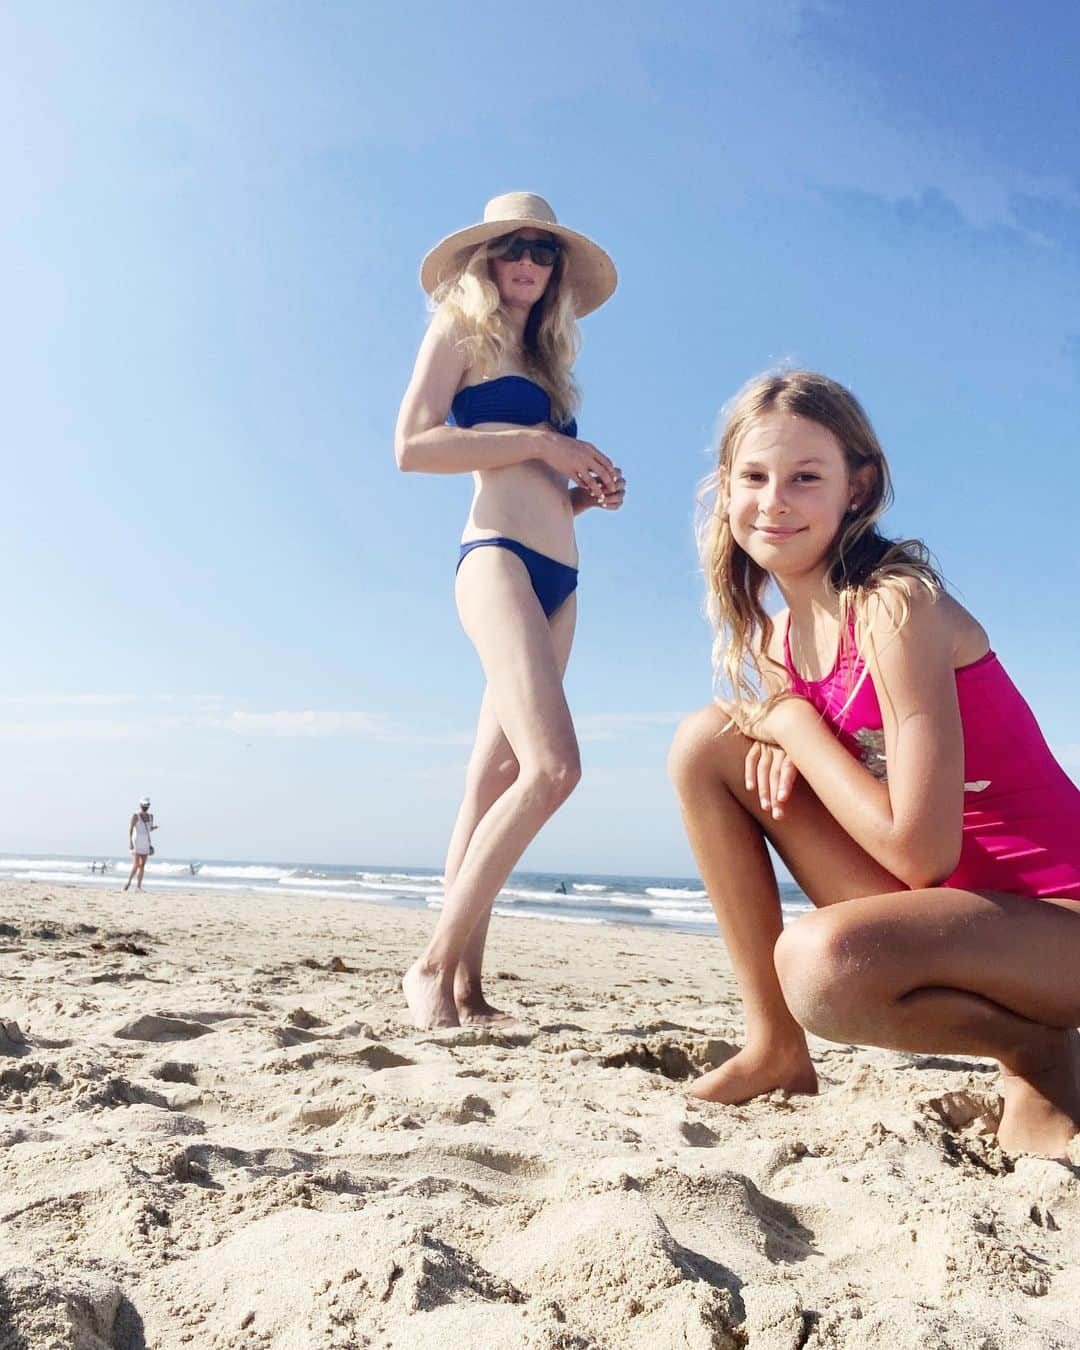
[586, 267]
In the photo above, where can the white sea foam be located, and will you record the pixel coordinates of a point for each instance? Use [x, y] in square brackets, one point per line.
[40, 875]
[251, 873]
[399, 887]
[294, 878]
[54, 864]
[667, 892]
[554, 918]
[402, 876]
[588, 886]
[653, 905]
[155, 883]
[511, 893]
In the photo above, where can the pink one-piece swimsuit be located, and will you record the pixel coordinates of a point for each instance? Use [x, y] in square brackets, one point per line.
[1021, 810]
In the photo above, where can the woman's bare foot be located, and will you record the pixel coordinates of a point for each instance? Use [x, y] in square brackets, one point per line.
[1042, 1106]
[753, 1072]
[430, 996]
[472, 1006]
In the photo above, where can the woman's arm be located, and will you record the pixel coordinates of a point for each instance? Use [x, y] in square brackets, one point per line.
[423, 443]
[912, 825]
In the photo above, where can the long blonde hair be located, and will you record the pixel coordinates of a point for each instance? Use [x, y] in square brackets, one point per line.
[861, 560]
[551, 340]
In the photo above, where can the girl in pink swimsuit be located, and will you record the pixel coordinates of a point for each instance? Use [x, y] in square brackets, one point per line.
[876, 741]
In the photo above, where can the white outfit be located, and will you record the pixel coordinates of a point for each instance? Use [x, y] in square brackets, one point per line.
[142, 833]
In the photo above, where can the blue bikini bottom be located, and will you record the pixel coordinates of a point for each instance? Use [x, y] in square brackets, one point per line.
[552, 581]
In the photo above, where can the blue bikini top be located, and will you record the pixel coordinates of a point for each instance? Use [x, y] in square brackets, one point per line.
[508, 398]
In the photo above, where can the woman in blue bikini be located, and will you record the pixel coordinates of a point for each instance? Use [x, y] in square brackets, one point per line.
[493, 394]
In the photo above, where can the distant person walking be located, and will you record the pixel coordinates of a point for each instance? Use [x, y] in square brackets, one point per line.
[142, 822]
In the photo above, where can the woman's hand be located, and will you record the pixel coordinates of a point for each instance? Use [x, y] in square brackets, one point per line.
[579, 461]
[771, 774]
[583, 498]
[611, 501]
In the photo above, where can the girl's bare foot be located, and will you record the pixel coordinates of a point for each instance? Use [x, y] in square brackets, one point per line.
[1042, 1106]
[430, 996]
[472, 1006]
[757, 1070]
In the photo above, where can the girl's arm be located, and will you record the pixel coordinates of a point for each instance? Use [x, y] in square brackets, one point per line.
[423, 443]
[911, 825]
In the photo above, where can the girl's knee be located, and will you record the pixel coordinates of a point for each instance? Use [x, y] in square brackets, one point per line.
[821, 965]
[703, 745]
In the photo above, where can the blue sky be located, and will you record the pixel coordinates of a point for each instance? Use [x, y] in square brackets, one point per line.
[220, 591]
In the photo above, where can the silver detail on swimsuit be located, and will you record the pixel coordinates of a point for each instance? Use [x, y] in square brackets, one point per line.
[872, 752]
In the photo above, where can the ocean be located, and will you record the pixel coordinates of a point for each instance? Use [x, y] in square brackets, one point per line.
[648, 902]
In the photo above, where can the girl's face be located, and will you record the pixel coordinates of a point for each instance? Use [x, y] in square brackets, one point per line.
[788, 489]
[523, 282]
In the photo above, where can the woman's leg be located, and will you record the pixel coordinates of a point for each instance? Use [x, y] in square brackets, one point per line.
[134, 869]
[504, 620]
[493, 767]
[140, 859]
[727, 827]
[951, 971]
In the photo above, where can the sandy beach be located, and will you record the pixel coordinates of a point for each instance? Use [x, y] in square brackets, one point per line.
[218, 1129]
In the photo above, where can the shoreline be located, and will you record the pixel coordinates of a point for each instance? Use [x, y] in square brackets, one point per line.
[677, 904]
[220, 1130]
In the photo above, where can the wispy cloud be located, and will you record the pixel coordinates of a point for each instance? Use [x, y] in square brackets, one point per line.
[204, 713]
[617, 726]
[91, 728]
[42, 700]
[312, 722]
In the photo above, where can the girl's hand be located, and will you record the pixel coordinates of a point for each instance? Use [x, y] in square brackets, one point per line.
[771, 774]
[579, 461]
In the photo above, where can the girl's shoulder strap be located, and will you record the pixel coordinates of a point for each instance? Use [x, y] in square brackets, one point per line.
[785, 619]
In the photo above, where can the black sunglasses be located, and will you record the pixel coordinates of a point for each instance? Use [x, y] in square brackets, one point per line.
[543, 252]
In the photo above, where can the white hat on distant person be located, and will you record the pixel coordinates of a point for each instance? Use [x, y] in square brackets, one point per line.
[144, 802]
[588, 269]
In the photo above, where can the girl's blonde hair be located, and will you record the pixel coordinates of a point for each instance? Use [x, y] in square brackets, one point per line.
[861, 561]
[551, 342]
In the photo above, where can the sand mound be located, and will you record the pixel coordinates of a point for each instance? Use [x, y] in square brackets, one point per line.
[613, 1259]
[80, 1312]
[153, 1027]
[372, 1271]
